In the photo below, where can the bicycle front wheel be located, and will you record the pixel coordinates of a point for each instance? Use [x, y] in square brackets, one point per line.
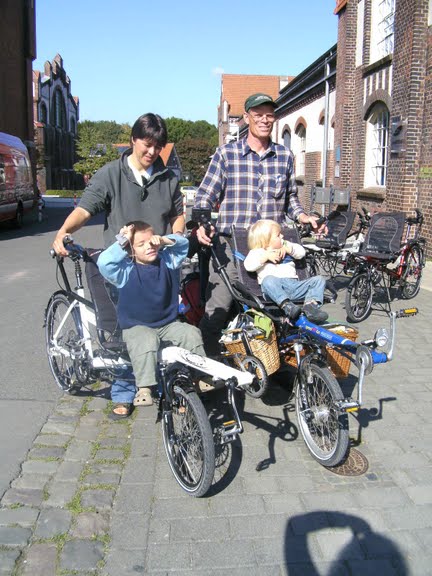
[413, 273]
[358, 299]
[65, 350]
[188, 442]
[323, 426]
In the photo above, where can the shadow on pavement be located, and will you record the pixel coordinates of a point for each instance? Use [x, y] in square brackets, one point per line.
[363, 544]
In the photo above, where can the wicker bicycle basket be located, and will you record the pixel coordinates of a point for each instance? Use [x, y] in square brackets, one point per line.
[265, 349]
[338, 363]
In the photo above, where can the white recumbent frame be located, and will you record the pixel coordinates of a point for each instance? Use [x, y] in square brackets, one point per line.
[168, 355]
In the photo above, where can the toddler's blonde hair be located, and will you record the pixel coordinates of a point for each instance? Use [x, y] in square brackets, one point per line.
[260, 233]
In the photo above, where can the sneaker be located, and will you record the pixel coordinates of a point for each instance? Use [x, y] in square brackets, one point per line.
[291, 311]
[314, 314]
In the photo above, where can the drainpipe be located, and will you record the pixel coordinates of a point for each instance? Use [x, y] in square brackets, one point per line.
[326, 119]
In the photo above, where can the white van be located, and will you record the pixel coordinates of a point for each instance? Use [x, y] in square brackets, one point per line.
[17, 194]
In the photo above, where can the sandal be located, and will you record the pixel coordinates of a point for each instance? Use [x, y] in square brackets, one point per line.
[121, 415]
[143, 397]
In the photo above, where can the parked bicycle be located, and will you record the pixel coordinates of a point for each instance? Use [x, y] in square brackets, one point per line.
[386, 261]
[84, 345]
[332, 254]
[318, 354]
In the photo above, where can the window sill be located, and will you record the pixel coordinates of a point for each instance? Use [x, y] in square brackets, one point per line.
[381, 63]
[377, 192]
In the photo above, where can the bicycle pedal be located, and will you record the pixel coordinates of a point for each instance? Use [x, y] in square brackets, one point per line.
[348, 405]
[228, 423]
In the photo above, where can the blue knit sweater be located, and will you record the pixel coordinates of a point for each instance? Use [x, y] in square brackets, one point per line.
[148, 293]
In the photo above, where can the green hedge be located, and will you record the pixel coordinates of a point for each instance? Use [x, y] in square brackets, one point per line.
[64, 193]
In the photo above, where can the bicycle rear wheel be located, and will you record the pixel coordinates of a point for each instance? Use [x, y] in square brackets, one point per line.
[358, 299]
[188, 442]
[63, 336]
[323, 426]
[413, 272]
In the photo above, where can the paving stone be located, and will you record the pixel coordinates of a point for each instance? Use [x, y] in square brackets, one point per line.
[92, 419]
[138, 470]
[14, 536]
[8, 558]
[53, 522]
[339, 545]
[79, 450]
[46, 452]
[420, 494]
[113, 442]
[40, 560]
[109, 454]
[52, 440]
[101, 478]
[97, 404]
[89, 524]
[130, 530]
[231, 553]
[165, 556]
[60, 493]
[22, 516]
[132, 499]
[384, 567]
[56, 427]
[126, 562]
[40, 467]
[99, 499]
[24, 496]
[81, 555]
[32, 481]
[69, 471]
[89, 433]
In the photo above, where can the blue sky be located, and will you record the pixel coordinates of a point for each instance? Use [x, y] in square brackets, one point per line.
[129, 57]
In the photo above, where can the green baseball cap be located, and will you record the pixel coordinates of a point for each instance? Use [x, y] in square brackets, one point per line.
[257, 100]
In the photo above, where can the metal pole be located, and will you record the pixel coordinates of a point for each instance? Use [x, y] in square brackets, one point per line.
[326, 120]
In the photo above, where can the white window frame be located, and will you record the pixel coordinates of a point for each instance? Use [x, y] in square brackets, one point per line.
[300, 156]
[382, 29]
[377, 146]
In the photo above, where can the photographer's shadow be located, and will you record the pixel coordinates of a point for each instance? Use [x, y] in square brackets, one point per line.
[363, 543]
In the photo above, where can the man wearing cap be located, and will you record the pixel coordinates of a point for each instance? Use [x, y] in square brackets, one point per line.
[252, 179]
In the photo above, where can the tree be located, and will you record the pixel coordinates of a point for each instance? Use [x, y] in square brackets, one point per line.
[195, 155]
[93, 152]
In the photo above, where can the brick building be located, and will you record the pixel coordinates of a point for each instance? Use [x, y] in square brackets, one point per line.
[17, 52]
[56, 115]
[305, 123]
[383, 120]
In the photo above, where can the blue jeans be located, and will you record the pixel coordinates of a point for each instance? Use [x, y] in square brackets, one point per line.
[123, 389]
[280, 289]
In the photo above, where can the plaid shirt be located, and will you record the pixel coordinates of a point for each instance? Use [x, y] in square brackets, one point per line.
[248, 186]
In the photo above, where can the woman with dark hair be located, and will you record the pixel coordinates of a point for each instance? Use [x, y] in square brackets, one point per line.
[137, 186]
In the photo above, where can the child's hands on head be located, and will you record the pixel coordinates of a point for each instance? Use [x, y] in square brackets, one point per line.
[127, 231]
[156, 240]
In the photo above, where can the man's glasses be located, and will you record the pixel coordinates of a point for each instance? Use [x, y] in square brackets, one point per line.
[258, 117]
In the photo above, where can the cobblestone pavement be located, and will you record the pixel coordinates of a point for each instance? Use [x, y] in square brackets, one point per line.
[96, 497]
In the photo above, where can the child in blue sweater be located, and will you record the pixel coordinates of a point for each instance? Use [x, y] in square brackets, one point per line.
[146, 272]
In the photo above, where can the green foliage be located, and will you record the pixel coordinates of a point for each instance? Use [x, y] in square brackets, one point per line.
[94, 147]
[195, 155]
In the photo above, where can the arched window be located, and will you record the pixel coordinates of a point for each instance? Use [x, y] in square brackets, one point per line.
[59, 110]
[376, 153]
[300, 149]
[43, 113]
[286, 136]
[72, 125]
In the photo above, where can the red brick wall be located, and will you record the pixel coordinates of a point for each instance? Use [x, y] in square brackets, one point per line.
[16, 56]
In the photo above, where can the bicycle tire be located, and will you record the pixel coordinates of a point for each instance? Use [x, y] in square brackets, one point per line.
[188, 442]
[358, 298]
[69, 373]
[414, 270]
[254, 366]
[323, 426]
